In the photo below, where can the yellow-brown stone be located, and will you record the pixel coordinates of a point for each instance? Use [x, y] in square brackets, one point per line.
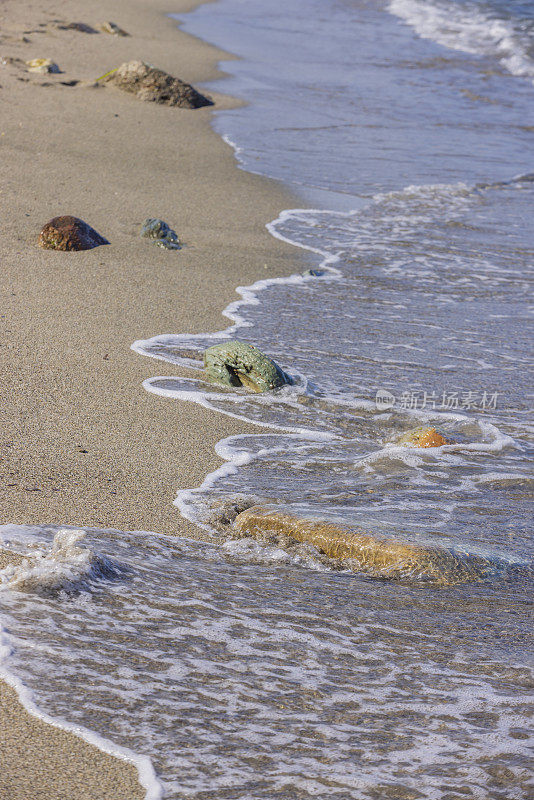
[364, 551]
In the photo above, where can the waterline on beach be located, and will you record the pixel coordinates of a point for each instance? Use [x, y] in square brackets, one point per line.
[239, 672]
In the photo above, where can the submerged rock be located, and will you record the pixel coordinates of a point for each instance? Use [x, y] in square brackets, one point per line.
[362, 551]
[69, 233]
[42, 66]
[422, 437]
[236, 363]
[224, 512]
[111, 27]
[155, 86]
[159, 231]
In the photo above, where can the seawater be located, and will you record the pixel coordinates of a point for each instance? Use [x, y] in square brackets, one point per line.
[250, 671]
[243, 673]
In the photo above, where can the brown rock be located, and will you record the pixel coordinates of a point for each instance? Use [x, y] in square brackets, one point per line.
[69, 233]
[364, 551]
[155, 86]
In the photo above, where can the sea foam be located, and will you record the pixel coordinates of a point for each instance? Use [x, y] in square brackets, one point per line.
[470, 28]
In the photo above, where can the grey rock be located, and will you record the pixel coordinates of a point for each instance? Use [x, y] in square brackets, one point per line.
[238, 364]
[155, 85]
[163, 235]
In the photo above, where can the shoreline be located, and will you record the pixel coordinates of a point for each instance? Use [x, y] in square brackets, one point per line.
[83, 443]
[77, 385]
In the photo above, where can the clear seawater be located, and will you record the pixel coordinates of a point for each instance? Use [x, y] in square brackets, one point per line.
[247, 671]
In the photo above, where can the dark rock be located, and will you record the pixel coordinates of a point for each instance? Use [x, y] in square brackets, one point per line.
[155, 86]
[159, 231]
[238, 364]
[69, 233]
[314, 273]
[76, 26]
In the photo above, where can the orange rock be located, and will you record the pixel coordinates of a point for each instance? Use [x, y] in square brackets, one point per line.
[423, 437]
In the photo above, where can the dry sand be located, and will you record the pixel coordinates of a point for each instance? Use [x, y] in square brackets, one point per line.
[81, 442]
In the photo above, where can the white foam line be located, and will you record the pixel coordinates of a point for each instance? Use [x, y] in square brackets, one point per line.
[143, 764]
[201, 398]
[249, 294]
[234, 458]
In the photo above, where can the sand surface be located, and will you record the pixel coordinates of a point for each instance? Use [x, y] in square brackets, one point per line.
[81, 442]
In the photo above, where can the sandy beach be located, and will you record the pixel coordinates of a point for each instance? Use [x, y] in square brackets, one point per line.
[82, 443]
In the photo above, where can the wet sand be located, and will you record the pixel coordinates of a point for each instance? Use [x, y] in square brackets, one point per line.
[81, 442]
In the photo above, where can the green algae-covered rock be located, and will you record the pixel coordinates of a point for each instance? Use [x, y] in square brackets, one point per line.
[163, 235]
[236, 363]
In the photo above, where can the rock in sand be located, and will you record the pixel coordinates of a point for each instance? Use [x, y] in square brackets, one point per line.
[111, 27]
[42, 66]
[69, 233]
[163, 235]
[156, 86]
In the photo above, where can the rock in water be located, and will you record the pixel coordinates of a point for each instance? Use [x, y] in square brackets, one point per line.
[69, 233]
[235, 363]
[155, 86]
[159, 231]
[422, 437]
[363, 551]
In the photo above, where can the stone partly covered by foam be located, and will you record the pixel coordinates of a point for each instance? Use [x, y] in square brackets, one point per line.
[163, 235]
[362, 551]
[155, 86]
[69, 233]
[111, 27]
[422, 437]
[42, 66]
[236, 363]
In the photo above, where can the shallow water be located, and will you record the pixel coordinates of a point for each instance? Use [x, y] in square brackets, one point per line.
[218, 665]
[254, 671]
[426, 304]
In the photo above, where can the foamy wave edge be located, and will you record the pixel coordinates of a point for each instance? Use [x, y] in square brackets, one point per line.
[147, 776]
[233, 456]
[467, 30]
